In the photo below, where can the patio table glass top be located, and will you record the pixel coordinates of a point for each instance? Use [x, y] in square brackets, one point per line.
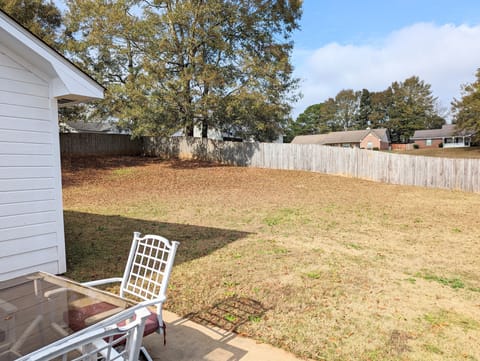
[38, 309]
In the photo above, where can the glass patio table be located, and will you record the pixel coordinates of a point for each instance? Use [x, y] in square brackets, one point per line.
[39, 308]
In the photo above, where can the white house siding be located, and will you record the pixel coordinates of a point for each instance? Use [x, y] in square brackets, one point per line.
[31, 223]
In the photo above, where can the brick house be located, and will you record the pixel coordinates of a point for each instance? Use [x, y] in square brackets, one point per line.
[365, 139]
[447, 136]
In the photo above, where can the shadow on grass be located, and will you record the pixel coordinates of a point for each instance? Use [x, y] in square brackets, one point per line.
[229, 314]
[97, 246]
[77, 163]
[77, 170]
[190, 164]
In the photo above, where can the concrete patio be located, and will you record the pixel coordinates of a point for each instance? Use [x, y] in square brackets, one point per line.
[189, 341]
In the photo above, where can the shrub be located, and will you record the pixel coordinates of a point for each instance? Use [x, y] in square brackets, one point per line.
[440, 145]
[415, 146]
[376, 148]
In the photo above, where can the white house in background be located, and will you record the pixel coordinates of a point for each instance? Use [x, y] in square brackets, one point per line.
[34, 81]
[91, 127]
[212, 133]
[215, 134]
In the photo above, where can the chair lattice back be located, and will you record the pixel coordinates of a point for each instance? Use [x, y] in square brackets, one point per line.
[148, 268]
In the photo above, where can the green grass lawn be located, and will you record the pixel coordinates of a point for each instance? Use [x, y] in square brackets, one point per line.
[329, 268]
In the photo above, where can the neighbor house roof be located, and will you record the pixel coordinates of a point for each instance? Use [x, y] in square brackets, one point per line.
[349, 136]
[69, 83]
[90, 127]
[309, 139]
[446, 131]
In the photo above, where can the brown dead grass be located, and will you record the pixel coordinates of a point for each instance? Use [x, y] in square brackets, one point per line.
[469, 152]
[327, 267]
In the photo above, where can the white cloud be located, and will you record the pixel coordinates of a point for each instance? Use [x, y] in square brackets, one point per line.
[443, 56]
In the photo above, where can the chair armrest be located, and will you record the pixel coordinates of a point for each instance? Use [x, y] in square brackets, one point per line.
[102, 282]
[152, 302]
[51, 293]
[48, 294]
[101, 339]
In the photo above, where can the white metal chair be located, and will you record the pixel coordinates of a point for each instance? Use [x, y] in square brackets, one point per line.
[146, 276]
[100, 341]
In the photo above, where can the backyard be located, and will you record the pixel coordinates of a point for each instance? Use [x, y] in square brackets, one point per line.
[327, 267]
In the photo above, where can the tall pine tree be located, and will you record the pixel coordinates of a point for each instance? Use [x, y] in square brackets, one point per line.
[41, 17]
[466, 110]
[365, 110]
[413, 107]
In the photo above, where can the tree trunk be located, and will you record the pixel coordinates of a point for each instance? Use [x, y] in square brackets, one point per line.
[204, 129]
[189, 130]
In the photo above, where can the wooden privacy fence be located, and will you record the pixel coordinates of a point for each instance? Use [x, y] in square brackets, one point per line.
[99, 144]
[459, 174]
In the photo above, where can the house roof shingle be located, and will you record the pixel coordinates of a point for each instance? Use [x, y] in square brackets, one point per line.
[73, 85]
[90, 127]
[446, 131]
[309, 139]
[349, 136]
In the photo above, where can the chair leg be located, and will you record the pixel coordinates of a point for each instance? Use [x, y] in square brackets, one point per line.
[145, 353]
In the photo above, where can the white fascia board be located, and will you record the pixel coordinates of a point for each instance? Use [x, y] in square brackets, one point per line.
[68, 80]
[67, 84]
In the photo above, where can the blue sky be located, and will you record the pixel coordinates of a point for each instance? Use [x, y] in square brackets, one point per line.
[357, 21]
[371, 43]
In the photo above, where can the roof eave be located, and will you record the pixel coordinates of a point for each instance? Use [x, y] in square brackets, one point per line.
[69, 81]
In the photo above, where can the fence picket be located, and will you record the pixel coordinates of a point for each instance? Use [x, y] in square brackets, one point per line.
[461, 174]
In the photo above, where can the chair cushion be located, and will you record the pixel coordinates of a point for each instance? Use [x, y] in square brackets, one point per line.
[77, 316]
